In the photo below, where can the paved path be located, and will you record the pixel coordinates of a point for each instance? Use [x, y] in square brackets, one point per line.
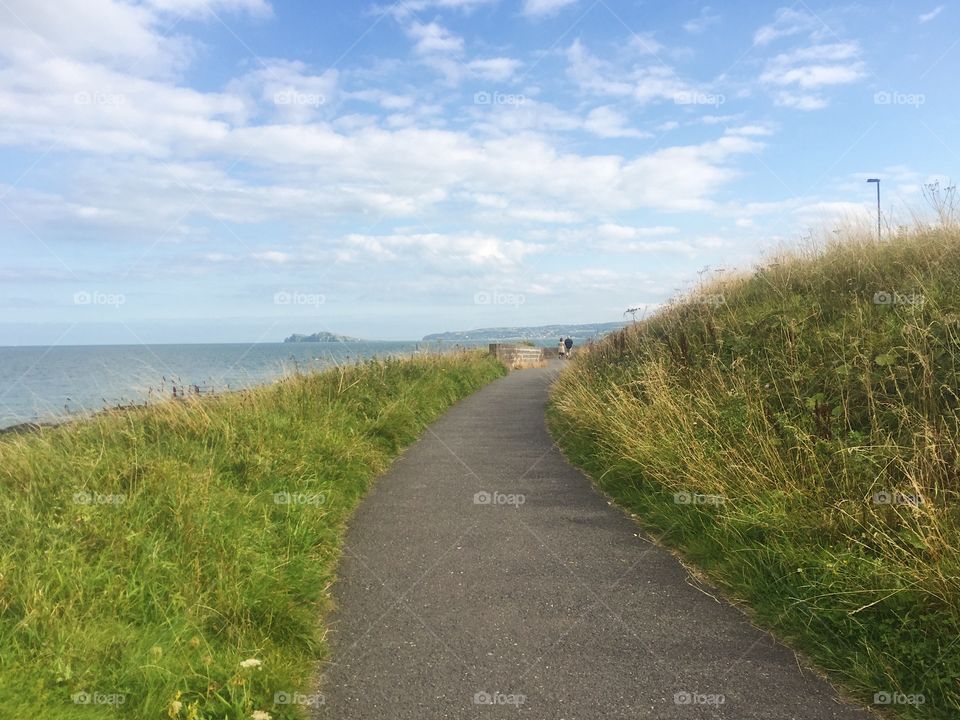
[555, 602]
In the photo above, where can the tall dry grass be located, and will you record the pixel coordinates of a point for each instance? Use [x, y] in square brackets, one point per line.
[796, 432]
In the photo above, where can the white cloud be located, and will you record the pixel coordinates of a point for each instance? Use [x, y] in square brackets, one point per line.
[386, 100]
[827, 214]
[91, 107]
[613, 231]
[474, 250]
[275, 257]
[403, 10]
[799, 101]
[540, 8]
[287, 89]
[928, 16]
[702, 21]
[497, 69]
[526, 115]
[542, 215]
[589, 72]
[156, 154]
[657, 82]
[643, 83]
[617, 238]
[208, 8]
[814, 76]
[434, 38]
[103, 31]
[442, 50]
[685, 175]
[716, 119]
[490, 200]
[787, 22]
[750, 130]
[606, 122]
[308, 170]
[644, 43]
[815, 66]
[810, 69]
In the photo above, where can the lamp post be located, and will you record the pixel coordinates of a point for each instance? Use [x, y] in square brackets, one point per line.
[877, 181]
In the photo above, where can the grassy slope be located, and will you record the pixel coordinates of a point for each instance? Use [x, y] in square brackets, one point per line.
[161, 596]
[794, 401]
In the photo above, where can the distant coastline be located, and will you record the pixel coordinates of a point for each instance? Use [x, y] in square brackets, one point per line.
[539, 332]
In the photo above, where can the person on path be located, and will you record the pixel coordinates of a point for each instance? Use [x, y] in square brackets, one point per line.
[568, 346]
[561, 350]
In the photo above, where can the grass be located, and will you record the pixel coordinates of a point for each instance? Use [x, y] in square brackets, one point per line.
[795, 433]
[147, 553]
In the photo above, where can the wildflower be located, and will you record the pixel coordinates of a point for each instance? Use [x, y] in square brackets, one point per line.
[251, 663]
[175, 706]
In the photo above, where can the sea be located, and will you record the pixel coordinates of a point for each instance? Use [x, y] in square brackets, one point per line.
[51, 384]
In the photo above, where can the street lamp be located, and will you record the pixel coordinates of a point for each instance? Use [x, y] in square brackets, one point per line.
[877, 181]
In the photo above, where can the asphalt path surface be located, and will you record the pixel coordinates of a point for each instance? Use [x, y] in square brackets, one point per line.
[484, 577]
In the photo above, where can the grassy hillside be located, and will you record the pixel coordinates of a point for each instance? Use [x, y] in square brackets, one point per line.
[174, 561]
[794, 432]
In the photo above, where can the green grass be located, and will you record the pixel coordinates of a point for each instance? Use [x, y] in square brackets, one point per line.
[144, 554]
[793, 397]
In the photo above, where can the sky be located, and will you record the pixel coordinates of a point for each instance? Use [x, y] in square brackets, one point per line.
[239, 170]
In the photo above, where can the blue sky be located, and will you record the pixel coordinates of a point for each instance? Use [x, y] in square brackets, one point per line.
[237, 170]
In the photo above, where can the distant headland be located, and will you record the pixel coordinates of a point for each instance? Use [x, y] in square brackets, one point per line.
[321, 337]
[540, 332]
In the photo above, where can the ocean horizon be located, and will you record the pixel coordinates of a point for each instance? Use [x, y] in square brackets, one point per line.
[49, 384]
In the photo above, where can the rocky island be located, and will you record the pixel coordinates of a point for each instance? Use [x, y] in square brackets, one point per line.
[321, 337]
